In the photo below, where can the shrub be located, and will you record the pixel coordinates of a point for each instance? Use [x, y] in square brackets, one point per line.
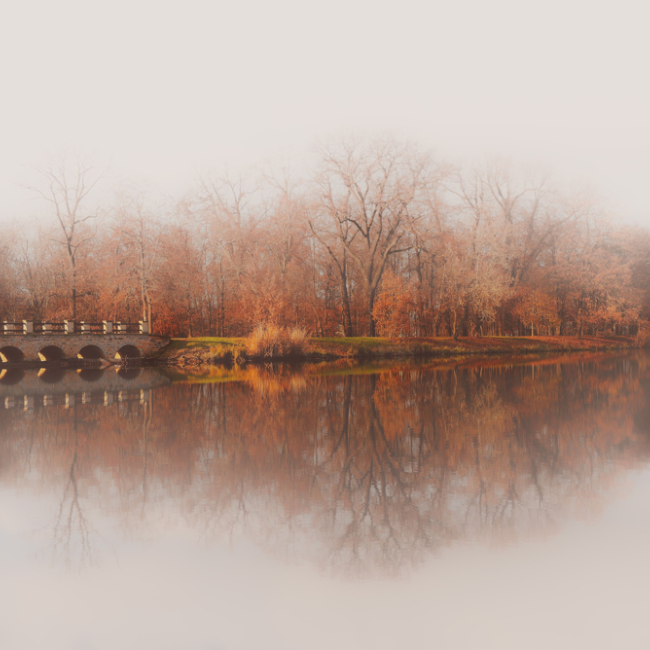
[272, 342]
[642, 339]
[395, 310]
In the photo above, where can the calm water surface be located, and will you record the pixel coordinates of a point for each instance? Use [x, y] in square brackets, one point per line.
[490, 505]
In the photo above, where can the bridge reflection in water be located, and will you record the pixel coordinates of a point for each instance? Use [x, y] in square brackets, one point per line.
[357, 473]
[29, 389]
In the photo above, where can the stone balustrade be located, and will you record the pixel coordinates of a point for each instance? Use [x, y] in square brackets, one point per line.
[71, 327]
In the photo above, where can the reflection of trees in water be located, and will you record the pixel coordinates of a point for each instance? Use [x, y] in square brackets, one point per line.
[363, 473]
[71, 532]
[52, 451]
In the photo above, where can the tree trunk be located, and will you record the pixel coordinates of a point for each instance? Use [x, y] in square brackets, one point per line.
[74, 289]
[371, 316]
[465, 322]
[345, 305]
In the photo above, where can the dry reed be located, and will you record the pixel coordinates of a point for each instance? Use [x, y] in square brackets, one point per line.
[273, 342]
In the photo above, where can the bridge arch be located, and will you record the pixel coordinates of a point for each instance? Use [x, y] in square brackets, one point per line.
[128, 352]
[51, 353]
[91, 352]
[11, 354]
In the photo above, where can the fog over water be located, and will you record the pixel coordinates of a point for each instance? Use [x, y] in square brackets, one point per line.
[158, 92]
[498, 504]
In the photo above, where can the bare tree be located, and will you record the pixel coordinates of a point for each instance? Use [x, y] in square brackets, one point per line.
[37, 272]
[336, 246]
[368, 192]
[226, 209]
[139, 232]
[67, 188]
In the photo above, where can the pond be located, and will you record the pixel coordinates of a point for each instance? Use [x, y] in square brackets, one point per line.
[486, 504]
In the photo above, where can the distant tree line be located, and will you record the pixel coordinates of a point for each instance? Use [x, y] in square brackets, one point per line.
[376, 238]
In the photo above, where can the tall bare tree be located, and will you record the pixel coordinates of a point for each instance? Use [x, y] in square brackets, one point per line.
[369, 192]
[66, 189]
[139, 232]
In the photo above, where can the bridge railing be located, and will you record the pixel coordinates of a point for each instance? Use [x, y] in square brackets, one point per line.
[86, 327]
[72, 327]
[13, 328]
[48, 327]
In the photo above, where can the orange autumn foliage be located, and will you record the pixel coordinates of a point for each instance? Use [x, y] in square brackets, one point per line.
[378, 237]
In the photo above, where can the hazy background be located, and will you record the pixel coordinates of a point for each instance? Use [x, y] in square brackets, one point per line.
[160, 90]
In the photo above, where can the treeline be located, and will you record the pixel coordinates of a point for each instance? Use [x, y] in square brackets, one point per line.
[375, 238]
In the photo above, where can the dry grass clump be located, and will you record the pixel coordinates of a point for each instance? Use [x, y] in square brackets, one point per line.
[273, 342]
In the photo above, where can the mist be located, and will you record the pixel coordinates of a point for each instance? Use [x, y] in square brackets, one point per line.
[157, 94]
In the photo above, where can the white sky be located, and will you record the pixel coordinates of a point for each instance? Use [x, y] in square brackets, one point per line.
[162, 89]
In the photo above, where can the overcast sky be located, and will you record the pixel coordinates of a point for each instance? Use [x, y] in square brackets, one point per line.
[161, 90]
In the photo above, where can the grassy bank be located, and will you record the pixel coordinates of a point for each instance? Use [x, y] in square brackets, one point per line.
[215, 350]
[277, 377]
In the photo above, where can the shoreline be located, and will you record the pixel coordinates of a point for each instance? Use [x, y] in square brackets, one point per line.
[283, 374]
[206, 352]
[210, 351]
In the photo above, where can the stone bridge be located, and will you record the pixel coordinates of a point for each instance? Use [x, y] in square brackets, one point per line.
[28, 341]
